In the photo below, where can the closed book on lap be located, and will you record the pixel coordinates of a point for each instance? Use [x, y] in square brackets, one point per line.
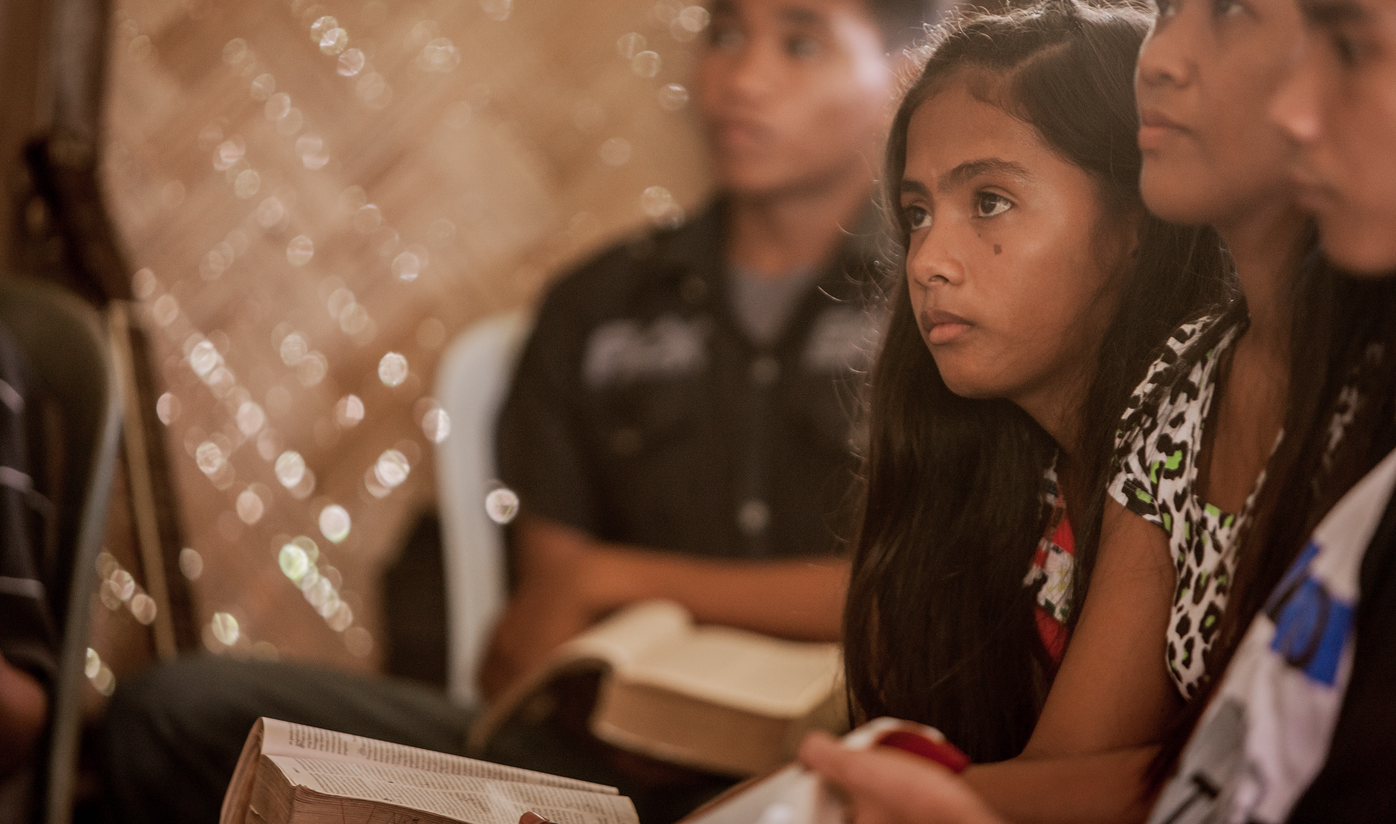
[711, 698]
[294, 774]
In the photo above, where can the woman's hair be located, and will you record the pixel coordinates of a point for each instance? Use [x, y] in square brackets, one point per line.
[1342, 395]
[939, 626]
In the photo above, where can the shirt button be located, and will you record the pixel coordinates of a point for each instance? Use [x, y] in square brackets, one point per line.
[765, 370]
[753, 517]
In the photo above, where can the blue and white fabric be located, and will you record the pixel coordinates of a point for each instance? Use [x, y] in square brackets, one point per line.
[1266, 733]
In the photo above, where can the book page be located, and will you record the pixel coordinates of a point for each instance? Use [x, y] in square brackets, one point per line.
[461, 797]
[792, 795]
[296, 740]
[239, 790]
[617, 641]
[625, 637]
[767, 676]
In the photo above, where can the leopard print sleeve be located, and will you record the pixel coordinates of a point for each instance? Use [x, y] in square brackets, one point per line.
[1148, 443]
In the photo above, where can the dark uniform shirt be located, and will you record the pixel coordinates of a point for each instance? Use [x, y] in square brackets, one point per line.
[27, 636]
[641, 413]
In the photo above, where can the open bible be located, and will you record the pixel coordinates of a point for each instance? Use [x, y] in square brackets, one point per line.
[794, 795]
[712, 698]
[293, 774]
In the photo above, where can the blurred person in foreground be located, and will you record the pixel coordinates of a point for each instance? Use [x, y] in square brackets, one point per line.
[28, 641]
[1301, 726]
[679, 427]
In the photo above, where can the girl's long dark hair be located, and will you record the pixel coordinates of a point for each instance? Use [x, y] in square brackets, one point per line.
[939, 627]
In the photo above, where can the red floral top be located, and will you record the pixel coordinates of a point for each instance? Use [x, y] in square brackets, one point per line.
[1051, 570]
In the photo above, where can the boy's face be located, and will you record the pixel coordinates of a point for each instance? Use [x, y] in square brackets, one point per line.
[794, 93]
[1339, 105]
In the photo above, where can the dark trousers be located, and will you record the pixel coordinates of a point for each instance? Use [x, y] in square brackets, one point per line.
[173, 734]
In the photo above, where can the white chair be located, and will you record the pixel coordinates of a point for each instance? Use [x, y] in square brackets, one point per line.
[471, 384]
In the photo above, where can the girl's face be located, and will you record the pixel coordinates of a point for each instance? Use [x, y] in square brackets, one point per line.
[1011, 257]
[1206, 74]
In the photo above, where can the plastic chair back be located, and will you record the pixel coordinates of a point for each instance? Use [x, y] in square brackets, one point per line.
[65, 341]
[471, 384]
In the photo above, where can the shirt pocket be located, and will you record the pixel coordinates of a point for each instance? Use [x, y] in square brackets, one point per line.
[647, 417]
[664, 469]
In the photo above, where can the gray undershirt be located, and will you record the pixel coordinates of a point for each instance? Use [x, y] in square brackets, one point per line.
[764, 304]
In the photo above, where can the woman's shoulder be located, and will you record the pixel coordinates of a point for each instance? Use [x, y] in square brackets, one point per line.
[1168, 402]
[1183, 365]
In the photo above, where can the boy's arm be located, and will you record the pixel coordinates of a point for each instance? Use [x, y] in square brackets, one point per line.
[23, 712]
[568, 580]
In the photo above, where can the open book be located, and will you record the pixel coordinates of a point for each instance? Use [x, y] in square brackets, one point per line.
[293, 774]
[711, 698]
[794, 795]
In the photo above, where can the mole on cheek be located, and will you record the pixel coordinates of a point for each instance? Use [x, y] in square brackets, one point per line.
[998, 250]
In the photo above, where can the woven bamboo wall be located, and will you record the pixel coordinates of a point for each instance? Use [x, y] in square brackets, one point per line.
[306, 190]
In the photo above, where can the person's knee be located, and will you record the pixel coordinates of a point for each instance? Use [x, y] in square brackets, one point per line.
[158, 690]
[175, 700]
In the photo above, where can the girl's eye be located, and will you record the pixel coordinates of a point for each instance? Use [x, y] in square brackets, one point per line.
[1347, 49]
[916, 218]
[725, 38]
[988, 204]
[802, 47]
[1226, 8]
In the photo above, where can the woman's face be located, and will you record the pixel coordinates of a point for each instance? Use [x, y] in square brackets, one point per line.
[1206, 74]
[1011, 257]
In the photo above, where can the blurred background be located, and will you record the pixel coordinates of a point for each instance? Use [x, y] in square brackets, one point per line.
[313, 199]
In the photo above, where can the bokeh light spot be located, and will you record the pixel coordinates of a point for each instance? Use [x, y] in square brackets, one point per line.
[167, 408]
[646, 64]
[294, 562]
[250, 507]
[349, 411]
[290, 468]
[300, 250]
[502, 505]
[191, 563]
[391, 469]
[392, 369]
[673, 97]
[335, 523]
[225, 628]
[350, 63]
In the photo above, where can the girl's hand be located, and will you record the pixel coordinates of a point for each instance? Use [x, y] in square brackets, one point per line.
[886, 786]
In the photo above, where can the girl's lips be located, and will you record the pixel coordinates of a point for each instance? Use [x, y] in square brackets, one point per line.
[1157, 119]
[943, 327]
[1155, 128]
[943, 333]
[1311, 192]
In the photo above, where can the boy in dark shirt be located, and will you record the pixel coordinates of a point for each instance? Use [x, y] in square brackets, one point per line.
[678, 427]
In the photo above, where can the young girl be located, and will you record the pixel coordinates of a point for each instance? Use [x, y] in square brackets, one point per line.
[1036, 290]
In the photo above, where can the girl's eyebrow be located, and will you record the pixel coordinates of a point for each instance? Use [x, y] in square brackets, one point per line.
[965, 172]
[971, 169]
[1327, 13]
